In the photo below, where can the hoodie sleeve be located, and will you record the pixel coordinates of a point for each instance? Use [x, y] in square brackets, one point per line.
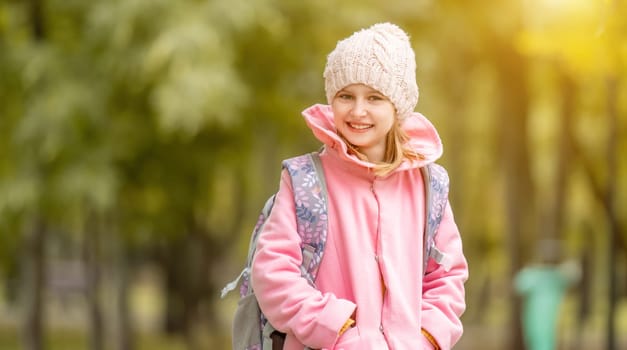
[443, 294]
[285, 297]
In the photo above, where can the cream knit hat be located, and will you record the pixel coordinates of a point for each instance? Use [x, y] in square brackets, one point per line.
[380, 57]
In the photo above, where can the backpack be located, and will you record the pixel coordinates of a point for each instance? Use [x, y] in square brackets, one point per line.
[251, 330]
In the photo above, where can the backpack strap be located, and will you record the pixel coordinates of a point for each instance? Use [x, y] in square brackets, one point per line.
[310, 199]
[244, 276]
[436, 183]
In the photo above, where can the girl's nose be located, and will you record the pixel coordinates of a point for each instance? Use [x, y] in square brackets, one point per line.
[359, 108]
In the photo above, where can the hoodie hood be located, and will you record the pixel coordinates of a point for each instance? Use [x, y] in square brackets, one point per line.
[423, 137]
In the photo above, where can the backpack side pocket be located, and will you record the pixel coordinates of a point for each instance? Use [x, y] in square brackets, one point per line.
[246, 331]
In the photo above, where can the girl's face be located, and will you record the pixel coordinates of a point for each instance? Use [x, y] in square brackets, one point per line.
[364, 117]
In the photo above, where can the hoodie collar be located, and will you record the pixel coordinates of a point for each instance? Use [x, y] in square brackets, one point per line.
[423, 137]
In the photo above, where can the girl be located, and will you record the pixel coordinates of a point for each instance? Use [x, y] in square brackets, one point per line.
[370, 290]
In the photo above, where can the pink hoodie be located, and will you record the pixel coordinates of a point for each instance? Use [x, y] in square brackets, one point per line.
[372, 263]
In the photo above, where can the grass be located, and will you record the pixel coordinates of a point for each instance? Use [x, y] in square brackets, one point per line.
[9, 339]
[68, 339]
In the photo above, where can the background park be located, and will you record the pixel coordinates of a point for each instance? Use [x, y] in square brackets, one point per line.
[140, 138]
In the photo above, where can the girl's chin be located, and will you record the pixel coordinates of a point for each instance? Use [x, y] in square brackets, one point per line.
[357, 142]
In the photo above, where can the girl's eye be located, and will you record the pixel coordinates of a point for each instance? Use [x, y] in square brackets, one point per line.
[375, 98]
[345, 96]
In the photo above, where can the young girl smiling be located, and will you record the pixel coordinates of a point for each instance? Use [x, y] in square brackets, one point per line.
[371, 291]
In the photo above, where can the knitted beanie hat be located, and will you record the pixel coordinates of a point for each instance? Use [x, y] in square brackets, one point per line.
[380, 57]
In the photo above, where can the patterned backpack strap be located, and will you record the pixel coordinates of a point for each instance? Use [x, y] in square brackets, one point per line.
[310, 199]
[436, 190]
[244, 276]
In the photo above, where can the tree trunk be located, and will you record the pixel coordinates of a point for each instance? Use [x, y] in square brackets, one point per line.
[584, 285]
[519, 193]
[125, 339]
[555, 222]
[611, 189]
[186, 285]
[174, 322]
[33, 279]
[33, 273]
[91, 251]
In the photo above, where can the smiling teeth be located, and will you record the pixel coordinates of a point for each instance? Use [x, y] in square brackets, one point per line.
[360, 126]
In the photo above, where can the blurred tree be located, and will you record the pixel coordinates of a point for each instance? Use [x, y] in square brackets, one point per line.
[584, 39]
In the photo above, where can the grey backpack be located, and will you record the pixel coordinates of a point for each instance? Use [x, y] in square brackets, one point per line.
[251, 330]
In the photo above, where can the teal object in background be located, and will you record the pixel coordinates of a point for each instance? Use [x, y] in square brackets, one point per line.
[542, 288]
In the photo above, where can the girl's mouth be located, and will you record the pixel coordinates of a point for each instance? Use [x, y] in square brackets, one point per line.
[359, 126]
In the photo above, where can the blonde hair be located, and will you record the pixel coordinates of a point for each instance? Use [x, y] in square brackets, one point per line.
[396, 150]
